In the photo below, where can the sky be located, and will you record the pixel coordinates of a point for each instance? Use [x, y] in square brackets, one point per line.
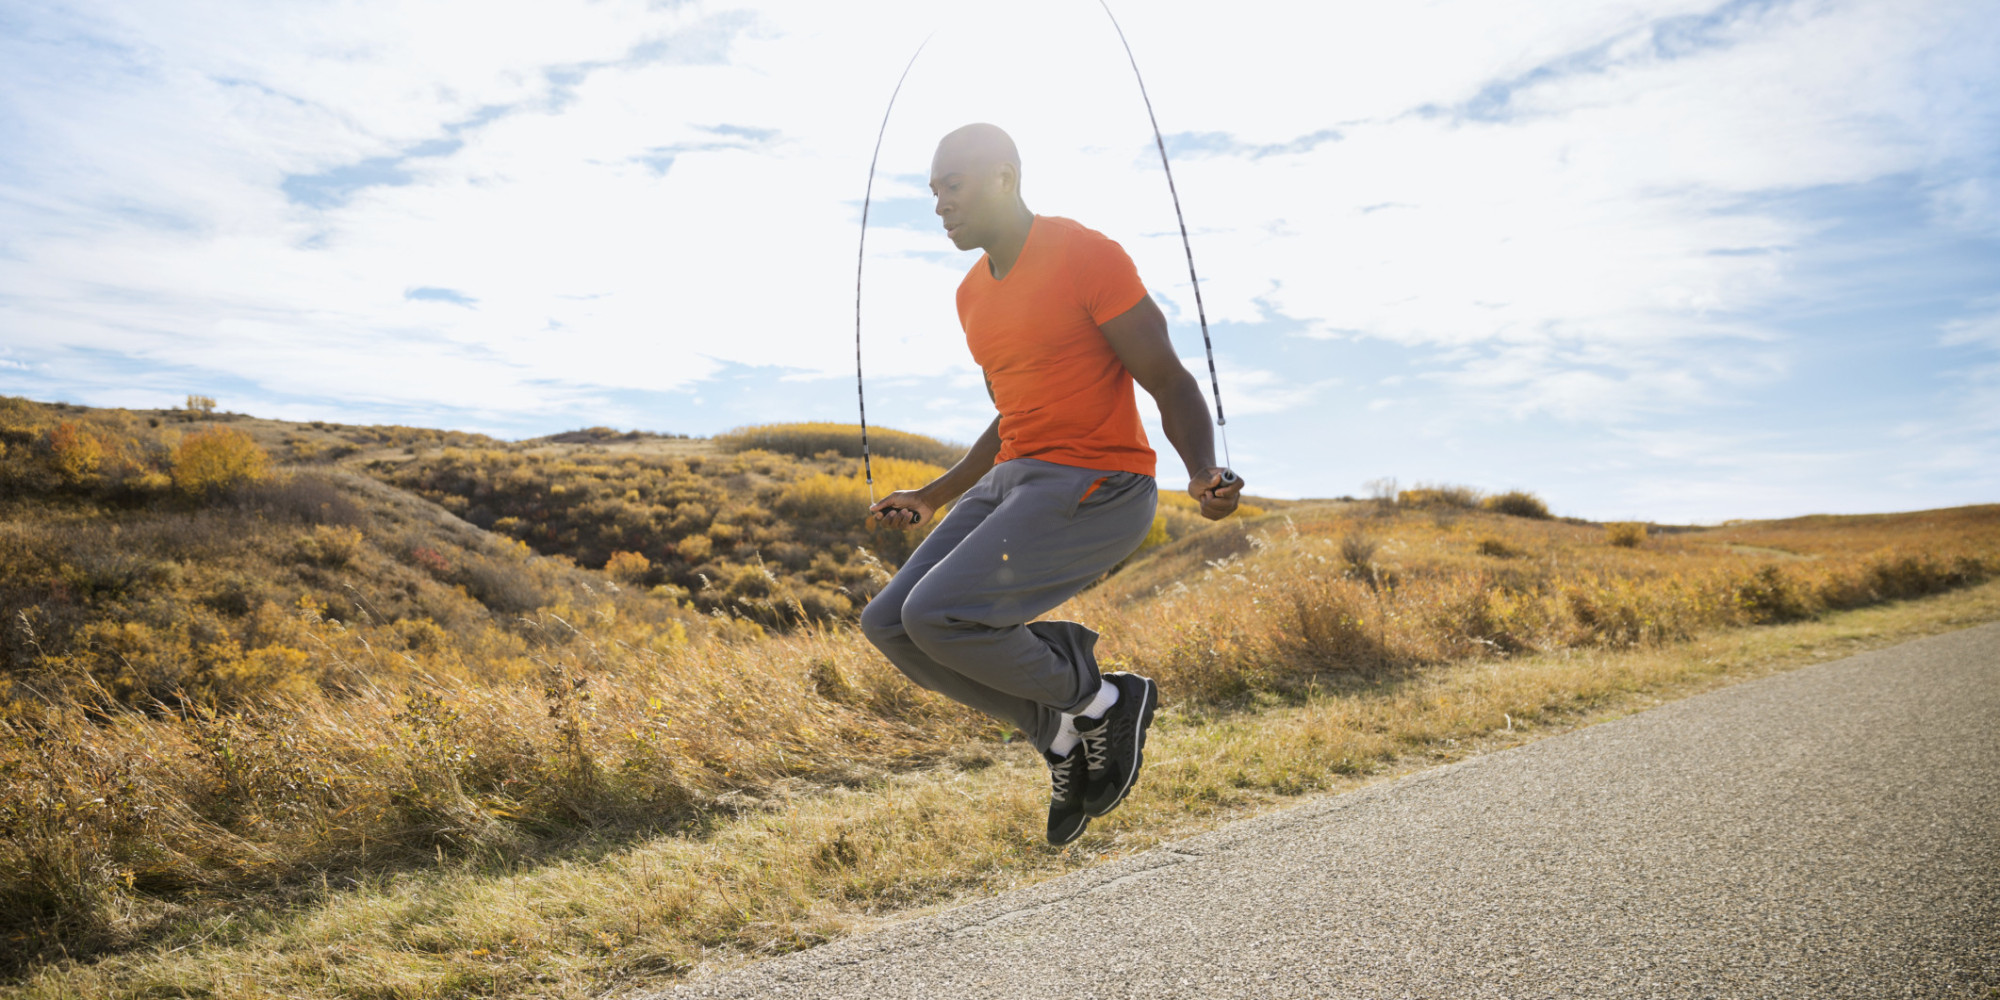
[1671, 260]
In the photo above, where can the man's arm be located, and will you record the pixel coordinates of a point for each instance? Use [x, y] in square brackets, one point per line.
[905, 508]
[1139, 336]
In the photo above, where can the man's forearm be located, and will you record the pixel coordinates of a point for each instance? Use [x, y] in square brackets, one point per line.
[1184, 416]
[953, 484]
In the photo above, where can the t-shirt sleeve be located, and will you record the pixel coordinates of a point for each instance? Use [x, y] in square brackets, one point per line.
[1107, 282]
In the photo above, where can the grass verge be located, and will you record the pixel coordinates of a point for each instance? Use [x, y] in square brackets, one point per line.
[793, 871]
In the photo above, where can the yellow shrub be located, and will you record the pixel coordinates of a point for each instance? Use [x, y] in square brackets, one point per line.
[630, 567]
[694, 548]
[75, 452]
[826, 497]
[271, 670]
[423, 635]
[838, 499]
[133, 659]
[218, 458]
[1628, 534]
[893, 474]
[673, 637]
[1438, 495]
[804, 440]
[329, 545]
[1519, 503]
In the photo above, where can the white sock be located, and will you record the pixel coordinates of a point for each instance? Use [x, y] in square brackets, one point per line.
[1066, 737]
[1107, 696]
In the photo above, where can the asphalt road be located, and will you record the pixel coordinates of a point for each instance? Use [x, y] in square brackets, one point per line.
[1829, 832]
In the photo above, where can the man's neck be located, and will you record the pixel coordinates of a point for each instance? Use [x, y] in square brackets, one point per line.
[1005, 250]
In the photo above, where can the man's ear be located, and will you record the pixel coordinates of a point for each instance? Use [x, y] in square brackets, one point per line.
[1010, 177]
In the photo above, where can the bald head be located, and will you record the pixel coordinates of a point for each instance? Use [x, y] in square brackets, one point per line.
[976, 176]
[979, 145]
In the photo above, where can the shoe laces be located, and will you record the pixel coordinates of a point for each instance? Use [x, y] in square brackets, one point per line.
[1097, 746]
[1059, 776]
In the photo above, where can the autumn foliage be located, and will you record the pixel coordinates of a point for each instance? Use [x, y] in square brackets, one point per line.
[217, 459]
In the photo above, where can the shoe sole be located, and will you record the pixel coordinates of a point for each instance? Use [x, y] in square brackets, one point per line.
[1151, 702]
[1085, 825]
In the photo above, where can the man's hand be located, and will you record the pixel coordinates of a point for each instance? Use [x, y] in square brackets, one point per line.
[906, 509]
[1217, 501]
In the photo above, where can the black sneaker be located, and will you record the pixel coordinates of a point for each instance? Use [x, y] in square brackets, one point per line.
[1066, 816]
[1113, 747]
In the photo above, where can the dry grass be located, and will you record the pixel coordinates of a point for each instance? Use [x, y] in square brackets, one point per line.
[802, 868]
[594, 796]
[320, 738]
[755, 534]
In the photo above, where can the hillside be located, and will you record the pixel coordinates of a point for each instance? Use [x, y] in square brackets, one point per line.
[766, 523]
[248, 662]
[128, 580]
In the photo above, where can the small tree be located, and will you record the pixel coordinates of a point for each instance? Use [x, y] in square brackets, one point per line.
[219, 458]
[204, 405]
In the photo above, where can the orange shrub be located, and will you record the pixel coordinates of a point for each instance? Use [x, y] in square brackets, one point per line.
[75, 452]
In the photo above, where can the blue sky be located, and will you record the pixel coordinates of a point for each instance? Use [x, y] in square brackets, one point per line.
[1682, 261]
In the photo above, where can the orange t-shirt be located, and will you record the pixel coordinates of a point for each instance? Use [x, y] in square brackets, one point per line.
[1064, 396]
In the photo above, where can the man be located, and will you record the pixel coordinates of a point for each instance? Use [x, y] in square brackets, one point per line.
[1058, 490]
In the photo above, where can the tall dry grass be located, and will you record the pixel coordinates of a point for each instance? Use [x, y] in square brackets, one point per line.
[109, 815]
[1362, 590]
[584, 718]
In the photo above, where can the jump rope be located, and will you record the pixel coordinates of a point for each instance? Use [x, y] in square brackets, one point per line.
[1215, 384]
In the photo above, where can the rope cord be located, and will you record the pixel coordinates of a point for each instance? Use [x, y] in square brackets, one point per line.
[1201, 311]
[1214, 383]
[861, 258]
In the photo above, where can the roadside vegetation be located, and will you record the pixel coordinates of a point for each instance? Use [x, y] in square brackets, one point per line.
[304, 732]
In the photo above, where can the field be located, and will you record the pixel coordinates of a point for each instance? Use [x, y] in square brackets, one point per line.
[301, 728]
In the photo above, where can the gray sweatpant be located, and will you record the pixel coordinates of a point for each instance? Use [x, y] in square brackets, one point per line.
[1027, 537]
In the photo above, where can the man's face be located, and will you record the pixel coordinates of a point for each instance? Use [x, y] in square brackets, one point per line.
[970, 197]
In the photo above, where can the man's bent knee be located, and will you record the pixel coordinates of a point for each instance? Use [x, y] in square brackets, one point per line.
[882, 620]
[931, 622]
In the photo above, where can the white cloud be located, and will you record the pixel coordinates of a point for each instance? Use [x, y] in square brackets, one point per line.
[1981, 329]
[1570, 206]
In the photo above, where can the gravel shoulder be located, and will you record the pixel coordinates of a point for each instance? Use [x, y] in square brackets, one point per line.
[1832, 831]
